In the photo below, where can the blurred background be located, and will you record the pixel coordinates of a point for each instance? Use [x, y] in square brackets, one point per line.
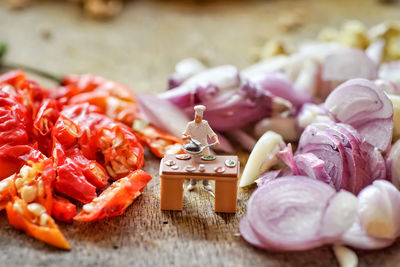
[138, 42]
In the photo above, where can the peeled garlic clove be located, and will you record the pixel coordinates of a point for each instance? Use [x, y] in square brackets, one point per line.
[345, 256]
[340, 214]
[378, 210]
[311, 113]
[285, 126]
[393, 164]
[396, 115]
[262, 158]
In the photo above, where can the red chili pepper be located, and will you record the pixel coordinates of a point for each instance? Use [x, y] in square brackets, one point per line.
[93, 171]
[82, 138]
[118, 102]
[119, 146]
[10, 162]
[41, 226]
[15, 118]
[116, 198]
[71, 182]
[13, 157]
[89, 120]
[46, 116]
[121, 149]
[66, 131]
[115, 100]
[12, 78]
[89, 83]
[63, 210]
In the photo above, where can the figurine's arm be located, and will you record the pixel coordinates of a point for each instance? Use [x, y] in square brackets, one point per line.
[212, 135]
[186, 133]
[214, 138]
[185, 136]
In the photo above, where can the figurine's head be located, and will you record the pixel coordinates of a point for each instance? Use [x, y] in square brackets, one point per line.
[198, 113]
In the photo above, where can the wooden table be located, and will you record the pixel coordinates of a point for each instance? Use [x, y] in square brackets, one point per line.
[140, 49]
[173, 171]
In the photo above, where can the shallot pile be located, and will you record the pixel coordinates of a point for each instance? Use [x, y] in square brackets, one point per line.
[338, 102]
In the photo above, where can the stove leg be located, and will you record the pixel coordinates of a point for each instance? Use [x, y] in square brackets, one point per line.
[171, 193]
[225, 196]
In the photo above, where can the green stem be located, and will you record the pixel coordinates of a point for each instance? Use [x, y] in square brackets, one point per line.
[33, 70]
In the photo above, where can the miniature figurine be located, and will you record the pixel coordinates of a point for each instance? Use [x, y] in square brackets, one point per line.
[223, 169]
[197, 131]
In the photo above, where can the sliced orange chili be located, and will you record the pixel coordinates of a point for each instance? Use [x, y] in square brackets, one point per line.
[159, 142]
[116, 198]
[34, 221]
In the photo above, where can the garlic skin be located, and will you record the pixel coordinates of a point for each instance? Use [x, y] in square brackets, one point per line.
[262, 158]
[379, 210]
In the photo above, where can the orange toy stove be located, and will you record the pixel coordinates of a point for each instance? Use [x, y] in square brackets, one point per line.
[223, 169]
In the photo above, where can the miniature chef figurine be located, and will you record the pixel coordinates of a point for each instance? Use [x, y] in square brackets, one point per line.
[199, 129]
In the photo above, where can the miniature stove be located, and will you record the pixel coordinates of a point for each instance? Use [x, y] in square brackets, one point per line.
[223, 169]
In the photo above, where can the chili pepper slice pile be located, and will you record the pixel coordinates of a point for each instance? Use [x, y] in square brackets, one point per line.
[59, 147]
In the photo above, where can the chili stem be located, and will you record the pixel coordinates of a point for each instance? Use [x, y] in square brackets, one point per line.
[33, 70]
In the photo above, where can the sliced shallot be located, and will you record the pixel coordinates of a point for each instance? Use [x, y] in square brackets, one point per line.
[366, 107]
[297, 213]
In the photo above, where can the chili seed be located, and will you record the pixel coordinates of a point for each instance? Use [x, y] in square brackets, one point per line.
[28, 193]
[71, 128]
[117, 141]
[44, 219]
[40, 188]
[118, 167]
[18, 208]
[110, 171]
[132, 160]
[36, 209]
[27, 172]
[4, 184]
[19, 182]
[88, 207]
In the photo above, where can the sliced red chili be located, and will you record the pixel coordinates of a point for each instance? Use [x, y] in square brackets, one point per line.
[115, 100]
[15, 119]
[121, 149]
[66, 131]
[93, 171]
[116, 198]
[71, 182]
